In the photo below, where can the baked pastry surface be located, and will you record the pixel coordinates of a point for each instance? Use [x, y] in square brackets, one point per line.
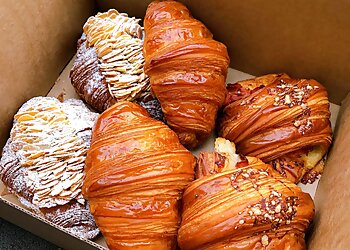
[136, 170]
[280, 120]
[242, 203]
[43, 161]
[109, 62]
[187, 69]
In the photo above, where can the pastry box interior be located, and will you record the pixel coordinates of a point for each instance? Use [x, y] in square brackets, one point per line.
[304, 39]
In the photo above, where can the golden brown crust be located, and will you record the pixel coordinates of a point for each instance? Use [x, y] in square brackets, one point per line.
[282, 116]
[136, 170]
[245, 208]
[187, 69]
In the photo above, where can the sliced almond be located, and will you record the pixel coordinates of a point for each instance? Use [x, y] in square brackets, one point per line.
[56, 190]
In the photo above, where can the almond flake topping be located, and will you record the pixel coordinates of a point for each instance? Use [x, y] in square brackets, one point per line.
[118, 42]
[51, 140]
[265, 240]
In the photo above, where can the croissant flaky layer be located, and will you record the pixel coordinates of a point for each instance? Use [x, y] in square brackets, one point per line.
[250, 207]
[280, 120]
[136, 170]
[187, 69]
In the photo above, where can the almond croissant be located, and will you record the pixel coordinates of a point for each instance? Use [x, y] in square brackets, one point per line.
[109, 63]
[282, 121]
[43, 161]
[136, 170]
[242, 206]
[187, 70]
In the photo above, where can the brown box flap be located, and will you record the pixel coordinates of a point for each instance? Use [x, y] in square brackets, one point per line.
[42, 227]
[331, 226]
[37, 40]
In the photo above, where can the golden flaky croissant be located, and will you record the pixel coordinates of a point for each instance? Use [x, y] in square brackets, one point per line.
[136, 170]
[187, 69]
[243, 207]
[282, 121]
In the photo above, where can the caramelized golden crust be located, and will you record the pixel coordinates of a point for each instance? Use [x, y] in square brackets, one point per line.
[136, 170]
[187, 69]
[278, 117]
[245, 208]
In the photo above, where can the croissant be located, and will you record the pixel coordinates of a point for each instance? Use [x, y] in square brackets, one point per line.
[109, 63]
[187, 70]
[283, 121]
[250, 206]
[43, 160]
[136, 170]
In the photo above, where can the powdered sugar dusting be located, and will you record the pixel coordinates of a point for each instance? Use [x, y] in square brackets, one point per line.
[118, 42]
[88, 80]
[43, 161]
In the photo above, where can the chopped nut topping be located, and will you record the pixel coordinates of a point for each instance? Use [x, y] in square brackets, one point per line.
[309, 87]
[291, 94]
[297, 123]
[265, 240]
[303, 106]
[278, 208]
[275, 209]
[287, 99]
[245, 175]
[256, 211]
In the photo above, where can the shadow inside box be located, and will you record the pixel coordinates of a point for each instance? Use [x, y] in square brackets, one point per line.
[16, 238]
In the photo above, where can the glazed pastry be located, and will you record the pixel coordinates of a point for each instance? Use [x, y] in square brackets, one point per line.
[283, 121]
[109, 62]
[43, 161]
[243, 207]
[187, 69]
[136, 170]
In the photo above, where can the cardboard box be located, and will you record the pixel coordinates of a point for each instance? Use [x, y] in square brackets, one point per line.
[308, 39]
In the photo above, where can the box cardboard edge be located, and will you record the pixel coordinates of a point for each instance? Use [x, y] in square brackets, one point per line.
[43, 228]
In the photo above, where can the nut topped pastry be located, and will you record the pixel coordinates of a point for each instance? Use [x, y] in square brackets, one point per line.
[44, 158]
[282, 121]
[109, 63]
[245, 204]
